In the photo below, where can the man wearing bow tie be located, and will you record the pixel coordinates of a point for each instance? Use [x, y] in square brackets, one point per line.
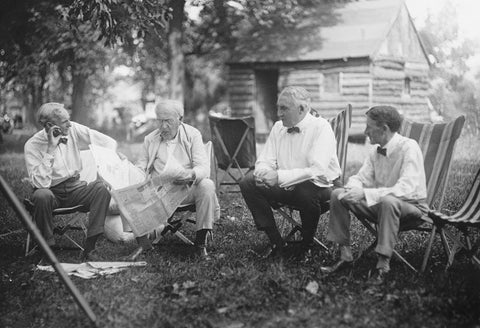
[52, 156]
[389, 188]
[297, 167]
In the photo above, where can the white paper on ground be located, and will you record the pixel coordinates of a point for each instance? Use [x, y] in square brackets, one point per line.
[88, 270]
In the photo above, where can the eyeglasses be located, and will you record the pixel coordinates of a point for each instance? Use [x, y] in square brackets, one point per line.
[169, 121]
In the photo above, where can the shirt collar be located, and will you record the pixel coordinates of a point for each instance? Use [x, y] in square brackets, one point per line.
[392, 143]
[303, 123]
[172, 141]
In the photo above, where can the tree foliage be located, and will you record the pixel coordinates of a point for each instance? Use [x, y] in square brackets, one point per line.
[453, 93]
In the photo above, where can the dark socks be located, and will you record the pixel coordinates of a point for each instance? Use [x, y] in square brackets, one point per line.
[90, 243]
[201, 237]
[274, 236]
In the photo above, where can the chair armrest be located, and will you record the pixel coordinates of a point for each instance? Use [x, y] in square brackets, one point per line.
[438, 216]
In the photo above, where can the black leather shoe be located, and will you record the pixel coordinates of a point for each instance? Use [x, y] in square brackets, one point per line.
[201, 253]
[272, 251]
[378, 277]
[337, 267]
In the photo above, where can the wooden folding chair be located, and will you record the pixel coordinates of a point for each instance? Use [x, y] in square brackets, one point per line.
[68, 219]
[64, 227]
[235, 149]
[174, 224]
[437, 143]
[340, 126]
[466, 219]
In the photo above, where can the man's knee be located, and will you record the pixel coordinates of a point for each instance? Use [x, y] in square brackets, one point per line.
[100, 189]
[206, 187]
[335, 193]
[42, 195]
[389, 202]
[247, 182]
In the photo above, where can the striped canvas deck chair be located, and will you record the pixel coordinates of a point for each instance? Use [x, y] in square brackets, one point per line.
[465, 220]
[235, 148]
[437, 142]
[340, 126]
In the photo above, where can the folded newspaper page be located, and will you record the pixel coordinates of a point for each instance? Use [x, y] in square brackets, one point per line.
[145, 204]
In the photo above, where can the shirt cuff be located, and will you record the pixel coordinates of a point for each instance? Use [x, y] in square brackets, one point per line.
[372, 196]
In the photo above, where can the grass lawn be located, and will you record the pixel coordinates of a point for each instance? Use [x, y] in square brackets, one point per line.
[237, 289]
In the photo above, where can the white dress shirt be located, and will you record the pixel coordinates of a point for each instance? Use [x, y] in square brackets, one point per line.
[187, 148]
[47, 170]
[400, 173]
[308, 155]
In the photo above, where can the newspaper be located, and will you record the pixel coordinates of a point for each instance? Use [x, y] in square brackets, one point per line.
[145, 204]
[88, 270]
[113, 170]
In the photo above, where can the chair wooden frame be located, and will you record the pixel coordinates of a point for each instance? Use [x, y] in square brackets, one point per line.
[74, 223]
[465, 219]
[228, 158]
[341, 126]
[437, 142]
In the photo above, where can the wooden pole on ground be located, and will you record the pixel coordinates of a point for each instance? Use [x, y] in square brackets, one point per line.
[33, 230]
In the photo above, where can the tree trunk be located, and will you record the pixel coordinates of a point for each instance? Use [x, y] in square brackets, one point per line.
[177, 63]
[34, 102]
[79, 110]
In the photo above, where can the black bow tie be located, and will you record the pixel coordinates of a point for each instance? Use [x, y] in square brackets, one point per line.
[382, 151]
[293, 129]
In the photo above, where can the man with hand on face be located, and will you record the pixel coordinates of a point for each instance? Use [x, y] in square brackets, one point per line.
[175, 140]
[389, 188]
[53, 161]
[297, 167]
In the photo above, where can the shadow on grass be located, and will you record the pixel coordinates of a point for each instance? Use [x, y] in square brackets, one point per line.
[236, 288]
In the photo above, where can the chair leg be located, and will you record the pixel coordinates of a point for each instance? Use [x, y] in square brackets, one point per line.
[426, 256]
[183, 238]
[404, 261]
[74, 242]
[457, 244]
[28, 243]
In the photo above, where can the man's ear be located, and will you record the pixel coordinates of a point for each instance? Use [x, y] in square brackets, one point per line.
[302, 108]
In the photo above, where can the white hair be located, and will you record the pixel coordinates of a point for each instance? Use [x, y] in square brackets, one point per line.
[49, 111]
[170, 105]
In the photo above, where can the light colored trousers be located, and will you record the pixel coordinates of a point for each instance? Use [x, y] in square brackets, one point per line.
[206, 203]
[387, 215]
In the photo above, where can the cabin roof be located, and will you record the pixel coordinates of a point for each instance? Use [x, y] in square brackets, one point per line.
[337, 31]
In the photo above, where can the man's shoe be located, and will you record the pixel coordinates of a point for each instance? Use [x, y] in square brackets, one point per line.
[201, 253]
[337, 267]
[272, 251]
[378, 277]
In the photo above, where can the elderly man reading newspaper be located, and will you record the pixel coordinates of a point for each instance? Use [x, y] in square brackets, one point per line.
[174, 157]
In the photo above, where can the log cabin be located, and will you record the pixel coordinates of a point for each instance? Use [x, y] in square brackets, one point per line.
[365, 53]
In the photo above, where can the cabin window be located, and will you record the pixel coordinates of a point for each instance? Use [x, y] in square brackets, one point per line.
[406, 86]
[332, 83]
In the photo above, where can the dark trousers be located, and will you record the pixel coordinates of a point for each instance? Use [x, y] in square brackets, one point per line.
[94, 196]
[306, 196]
